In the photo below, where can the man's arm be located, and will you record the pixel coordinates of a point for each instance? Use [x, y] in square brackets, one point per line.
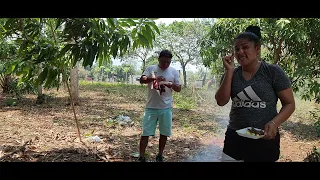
[145, 80]
[176, 87]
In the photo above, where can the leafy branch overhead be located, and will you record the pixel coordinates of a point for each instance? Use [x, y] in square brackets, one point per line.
[57, 43]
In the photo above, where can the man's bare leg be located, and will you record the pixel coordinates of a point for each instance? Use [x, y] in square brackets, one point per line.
[143, 145]
[162, 144]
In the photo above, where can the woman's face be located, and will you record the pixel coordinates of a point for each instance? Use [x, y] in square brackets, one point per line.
[246, 52]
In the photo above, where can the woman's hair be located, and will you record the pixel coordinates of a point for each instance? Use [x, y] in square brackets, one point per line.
[252, 33]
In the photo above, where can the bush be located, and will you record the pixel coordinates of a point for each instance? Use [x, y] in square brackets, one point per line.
[317, 125]
[313, 156]
[315, 115]
[11, 102]
[184, 99]
[17, 88]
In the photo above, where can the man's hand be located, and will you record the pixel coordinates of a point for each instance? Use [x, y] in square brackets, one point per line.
[144, 79]
[169, 84]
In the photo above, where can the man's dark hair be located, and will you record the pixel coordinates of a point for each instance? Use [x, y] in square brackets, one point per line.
[165, 53]
[252, 33]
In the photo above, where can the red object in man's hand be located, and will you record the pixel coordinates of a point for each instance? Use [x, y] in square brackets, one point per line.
[157, 86]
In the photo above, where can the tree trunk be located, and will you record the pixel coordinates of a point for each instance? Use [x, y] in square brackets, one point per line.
[39, 90]
[184, 76]
[204, 78]
[277, 51]
[74, 81]
[143, 65]
[6, 81]
[39, 86]
[126, 78]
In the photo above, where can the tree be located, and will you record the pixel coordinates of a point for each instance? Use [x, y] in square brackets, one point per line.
[7, 56]
[141, 54]
[182, 38]
[152, 60]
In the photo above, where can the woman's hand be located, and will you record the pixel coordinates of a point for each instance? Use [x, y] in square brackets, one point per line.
[228, 62]
[270, 130]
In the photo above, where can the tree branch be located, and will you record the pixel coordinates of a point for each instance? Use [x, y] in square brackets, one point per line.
[67, 84]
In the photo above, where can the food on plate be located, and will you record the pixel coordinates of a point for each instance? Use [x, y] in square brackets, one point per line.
[254, 132]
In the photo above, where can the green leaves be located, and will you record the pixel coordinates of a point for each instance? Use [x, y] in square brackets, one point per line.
[45, 46]
[51, 76]
[152, 35]
[114, 49]
[147, 36]
[111, 22]
[282, 22]
[143, 40]
[65, 50]
[154, 26]
[42, 76]
[58, 23]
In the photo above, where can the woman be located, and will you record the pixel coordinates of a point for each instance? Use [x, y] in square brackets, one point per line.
[254, 88]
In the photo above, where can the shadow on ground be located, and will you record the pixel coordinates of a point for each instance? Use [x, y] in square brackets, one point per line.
[106, 151]
[301, 131]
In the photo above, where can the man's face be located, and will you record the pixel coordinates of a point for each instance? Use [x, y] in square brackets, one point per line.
[164, 62]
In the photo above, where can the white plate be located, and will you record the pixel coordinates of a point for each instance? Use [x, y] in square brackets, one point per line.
[243, 133]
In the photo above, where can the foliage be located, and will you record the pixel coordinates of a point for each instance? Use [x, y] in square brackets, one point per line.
[316, 116]
[49, 47]
[183, 39]
[313, 156]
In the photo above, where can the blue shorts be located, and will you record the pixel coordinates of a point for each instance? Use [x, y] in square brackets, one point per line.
[151, 118]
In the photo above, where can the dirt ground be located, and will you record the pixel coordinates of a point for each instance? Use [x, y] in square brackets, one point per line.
[48, 133]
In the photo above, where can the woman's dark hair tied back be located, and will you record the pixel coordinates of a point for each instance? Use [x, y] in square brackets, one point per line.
[252, 33]
[255, 30]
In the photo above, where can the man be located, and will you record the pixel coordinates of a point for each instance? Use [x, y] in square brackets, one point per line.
[159, 102]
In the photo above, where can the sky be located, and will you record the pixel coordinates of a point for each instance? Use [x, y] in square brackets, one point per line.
[175, 65]
[171, 20]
